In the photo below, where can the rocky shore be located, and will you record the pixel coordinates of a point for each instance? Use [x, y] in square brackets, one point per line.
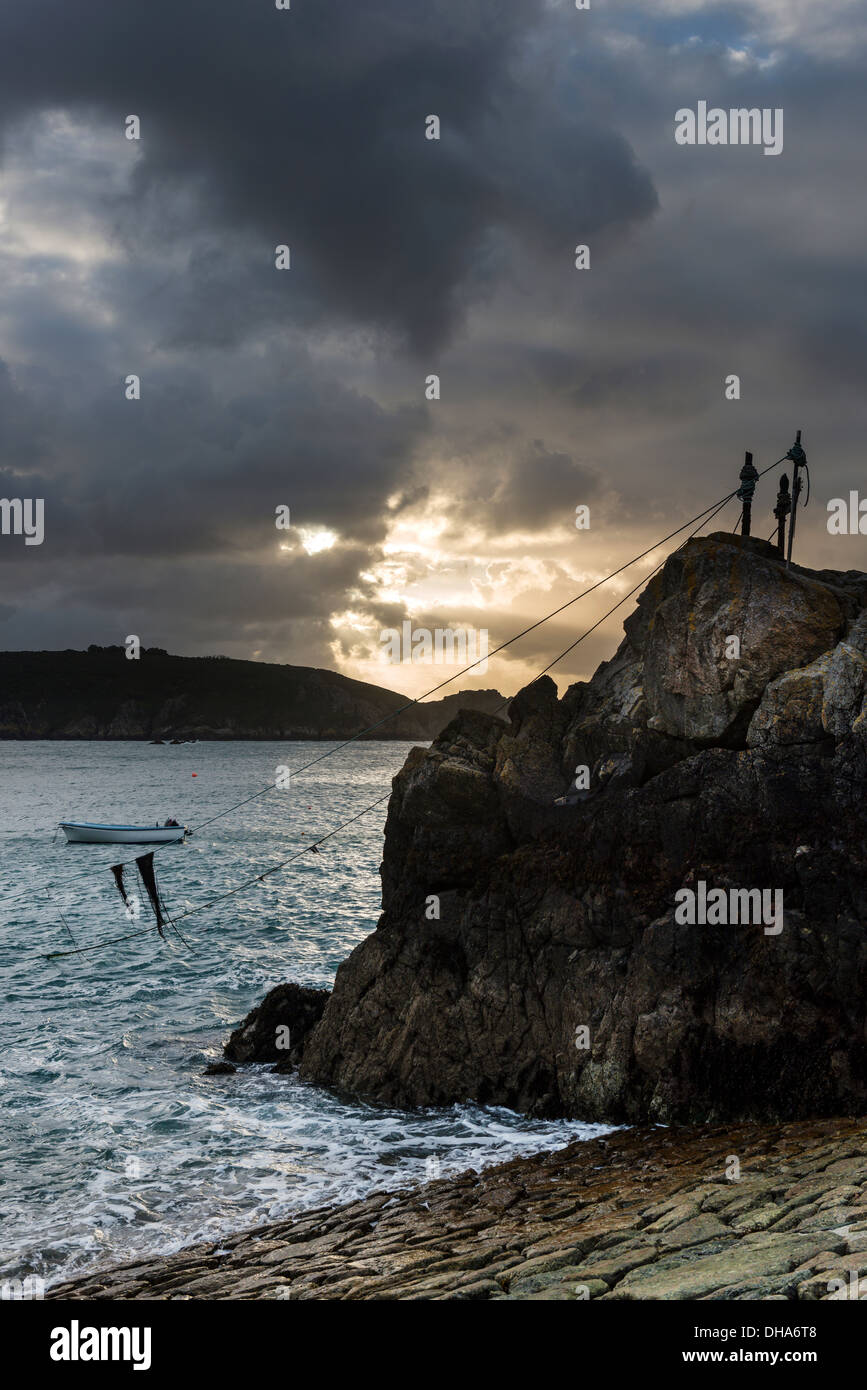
[744, 1212]
[533, 953]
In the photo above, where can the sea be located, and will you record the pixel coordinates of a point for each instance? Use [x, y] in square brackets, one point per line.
[113, 1144]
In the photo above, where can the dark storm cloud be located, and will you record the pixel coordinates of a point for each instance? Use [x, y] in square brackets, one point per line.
[754, 265]
[187, 470]
[307, 127]
[209, 604]
[539, 489]
[20, 425]
[559, 387]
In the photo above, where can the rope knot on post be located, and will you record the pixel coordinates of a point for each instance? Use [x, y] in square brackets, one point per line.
[749, 477]
[796, 453]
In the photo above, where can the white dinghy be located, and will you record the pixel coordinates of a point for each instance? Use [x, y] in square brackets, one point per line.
[86, 833]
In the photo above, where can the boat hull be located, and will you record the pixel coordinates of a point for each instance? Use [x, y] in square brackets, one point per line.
[80, 833]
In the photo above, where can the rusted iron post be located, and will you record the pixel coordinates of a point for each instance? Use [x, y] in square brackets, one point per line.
[799, 459]
[781, 511]
[749, 478]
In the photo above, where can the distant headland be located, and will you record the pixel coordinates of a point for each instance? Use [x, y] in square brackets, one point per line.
[98, 694]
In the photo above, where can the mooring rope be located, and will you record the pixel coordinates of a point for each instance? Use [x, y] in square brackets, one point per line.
[263, 791]
[231, 892]
[703, 518]
[313, 846]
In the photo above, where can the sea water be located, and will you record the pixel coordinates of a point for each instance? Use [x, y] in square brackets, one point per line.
[113, 1144]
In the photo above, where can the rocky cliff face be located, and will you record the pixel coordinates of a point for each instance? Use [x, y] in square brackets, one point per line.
[536, 955]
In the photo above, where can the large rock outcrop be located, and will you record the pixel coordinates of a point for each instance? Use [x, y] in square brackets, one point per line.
[533, 955]
[704, 595]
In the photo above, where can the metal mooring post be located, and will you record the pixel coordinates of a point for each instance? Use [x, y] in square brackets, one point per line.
[799, 459]
[781, 511]
[749, 478]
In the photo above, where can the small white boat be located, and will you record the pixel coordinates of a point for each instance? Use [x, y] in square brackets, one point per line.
[85, 833]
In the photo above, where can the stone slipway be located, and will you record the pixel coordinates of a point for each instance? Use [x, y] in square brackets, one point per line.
[640, 1214]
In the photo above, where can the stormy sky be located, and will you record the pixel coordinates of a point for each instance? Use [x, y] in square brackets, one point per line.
[410, 258]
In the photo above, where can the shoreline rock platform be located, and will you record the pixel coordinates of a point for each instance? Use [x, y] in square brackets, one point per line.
[639, 1214]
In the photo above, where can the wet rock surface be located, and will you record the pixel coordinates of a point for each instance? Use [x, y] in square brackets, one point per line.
[641, 1214]
[276, 1029]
